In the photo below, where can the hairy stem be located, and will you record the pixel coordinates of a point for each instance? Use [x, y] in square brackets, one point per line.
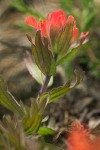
[44, 87]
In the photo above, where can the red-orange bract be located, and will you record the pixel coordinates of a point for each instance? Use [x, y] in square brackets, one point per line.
[61, 34]
[55, 21]
[79, 139]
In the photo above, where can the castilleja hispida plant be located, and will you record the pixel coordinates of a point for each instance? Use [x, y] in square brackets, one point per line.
[57, 39]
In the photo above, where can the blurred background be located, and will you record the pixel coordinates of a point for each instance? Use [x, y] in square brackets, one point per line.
[84, 101]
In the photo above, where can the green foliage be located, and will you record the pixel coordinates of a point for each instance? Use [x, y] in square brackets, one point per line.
[61, 41]
[45, 131]
[25, 9]
[25, 27]
[93, 71]
[7, 100]
[21, 6]
[86, 14]
[67, 4]
[12, 135]
[68, 56]
[34, 70]
[42, 55]
[61, 91]
[31, 117]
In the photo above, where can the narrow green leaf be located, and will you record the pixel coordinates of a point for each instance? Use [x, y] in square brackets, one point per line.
[11, 134]
[62, 39]
[61, 91]
[33, 118]
[65, 39]
[68, 56]
[56, 93]
[32, 125]
[72, 50]
[45, 131]
[7, 100]
[35, 71]
[43, 56]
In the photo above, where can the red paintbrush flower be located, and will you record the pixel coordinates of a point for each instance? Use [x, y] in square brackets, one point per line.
[79, 139]
[56, 20]
[61, 32]
[41, 25]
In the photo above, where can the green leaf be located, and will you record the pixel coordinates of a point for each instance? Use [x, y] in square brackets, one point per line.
[68, 56]
[56, 93]
[73, 50]
[64, 38]
[61, 91]
[45, 131]
[13, 137]
[7, 100]
[33, 117]
[34, 70]
[12, 132]
[43, 56]
[61, 39]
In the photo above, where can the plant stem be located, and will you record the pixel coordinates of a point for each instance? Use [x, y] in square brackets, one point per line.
[44, 87]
